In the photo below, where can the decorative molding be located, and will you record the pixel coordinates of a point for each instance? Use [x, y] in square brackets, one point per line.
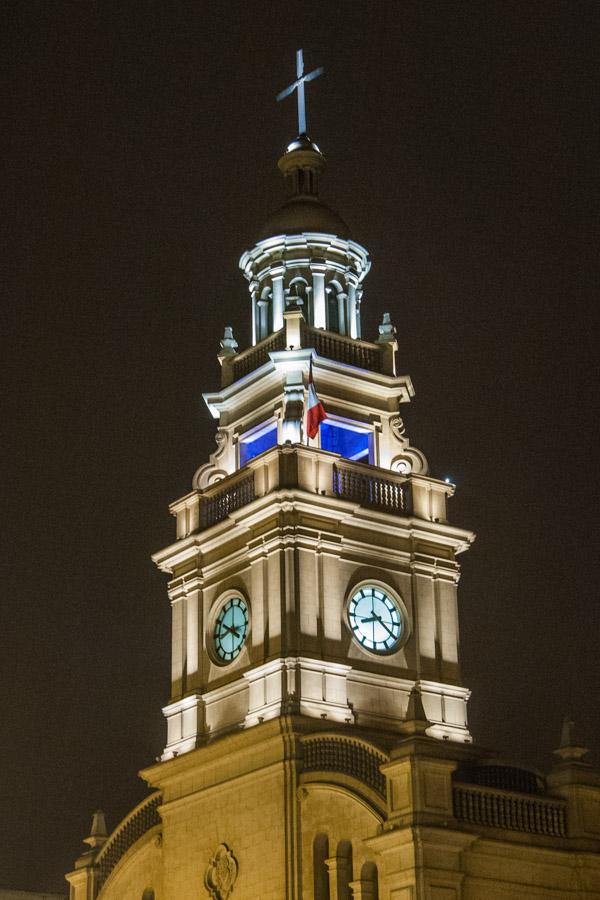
[221, 873]
[398, 428]
[409, 459]
[214, 470]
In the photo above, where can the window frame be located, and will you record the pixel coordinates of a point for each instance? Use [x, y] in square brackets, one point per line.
[351, 425]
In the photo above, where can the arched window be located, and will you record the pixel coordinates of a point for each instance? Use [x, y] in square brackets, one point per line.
[265, 314]
[148, 894]
[320, 872]
[344, 870]
[337, 312]
[369, 882]
[298, 293]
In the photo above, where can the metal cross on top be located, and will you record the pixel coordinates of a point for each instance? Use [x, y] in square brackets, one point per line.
[298, 85]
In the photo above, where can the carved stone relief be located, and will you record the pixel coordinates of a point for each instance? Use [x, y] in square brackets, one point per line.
[214, 470]
[221, 873]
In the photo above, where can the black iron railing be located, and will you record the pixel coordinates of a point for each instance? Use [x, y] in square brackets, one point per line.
[371, 490]
[142, 819]
[346, 756]
[217, 506]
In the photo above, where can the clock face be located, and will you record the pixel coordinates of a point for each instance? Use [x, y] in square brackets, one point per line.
[375, 619]
[231, 629]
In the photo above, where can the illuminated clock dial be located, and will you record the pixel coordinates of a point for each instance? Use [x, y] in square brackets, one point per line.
[375, 619]
[231, 629]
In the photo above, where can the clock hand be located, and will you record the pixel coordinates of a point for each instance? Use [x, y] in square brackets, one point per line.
[371, 619]
[381, 622]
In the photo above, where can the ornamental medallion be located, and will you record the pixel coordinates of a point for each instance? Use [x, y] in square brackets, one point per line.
[221, 873]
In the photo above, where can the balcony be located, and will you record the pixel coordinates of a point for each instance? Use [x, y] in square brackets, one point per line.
[351, 351]
[504, 809]
[257, 356]
[229, 495]
[369, 488]
[294, 466]
[296, 333]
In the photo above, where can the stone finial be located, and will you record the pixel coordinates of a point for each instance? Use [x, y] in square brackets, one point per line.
[415, 721]
[387, 331]
[98, 833]
[570, 750]
[229, 345]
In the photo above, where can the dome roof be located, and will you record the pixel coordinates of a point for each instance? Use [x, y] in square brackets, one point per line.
[304, 213]
[301, 165]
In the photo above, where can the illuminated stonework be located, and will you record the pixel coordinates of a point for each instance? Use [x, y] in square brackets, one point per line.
[318, 720]
[221, 873]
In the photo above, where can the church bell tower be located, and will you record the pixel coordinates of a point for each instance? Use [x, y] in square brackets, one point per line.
[312, 575]
[317, 745]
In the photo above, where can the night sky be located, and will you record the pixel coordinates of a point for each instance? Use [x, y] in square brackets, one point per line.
[140, 152]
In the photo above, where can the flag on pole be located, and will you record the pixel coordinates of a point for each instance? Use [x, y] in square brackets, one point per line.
[315, 412]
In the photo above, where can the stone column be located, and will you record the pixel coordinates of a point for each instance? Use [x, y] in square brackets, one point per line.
[319, 305]
[262, 308]
[357, 314]
[342, 304]
[254, 296]
[331, 864]
[293, 329]
[277, 274]
[293, 408]
[339, 878]
[352, 327]
[178, 642]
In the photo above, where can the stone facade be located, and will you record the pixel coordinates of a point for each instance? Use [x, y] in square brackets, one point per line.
[326, 755]
[28, 895]
[307, 811]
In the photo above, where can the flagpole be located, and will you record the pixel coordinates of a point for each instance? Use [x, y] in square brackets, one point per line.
[315, 411]
[306, 413]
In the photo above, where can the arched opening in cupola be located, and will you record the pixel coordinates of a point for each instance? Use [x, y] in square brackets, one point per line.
[299, 294]
[336, 307]
[264, 314]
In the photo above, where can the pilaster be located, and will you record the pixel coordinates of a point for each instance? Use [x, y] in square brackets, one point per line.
[319, 305]
[277, 273]
[419, 787]
[339, 869]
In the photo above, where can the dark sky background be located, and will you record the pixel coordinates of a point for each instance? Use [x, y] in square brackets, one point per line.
[140, 154]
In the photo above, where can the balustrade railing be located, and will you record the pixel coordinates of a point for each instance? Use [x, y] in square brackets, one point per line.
[346, 756]
[354, 352]
[370, 489]
[532, 814]
[140, 820]
[255, 357]
[344, 349]
[218, 505]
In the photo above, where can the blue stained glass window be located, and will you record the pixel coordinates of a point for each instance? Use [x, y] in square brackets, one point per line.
[347, 440]
[257, 442]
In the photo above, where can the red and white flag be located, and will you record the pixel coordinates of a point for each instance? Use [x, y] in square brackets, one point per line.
[315, 412]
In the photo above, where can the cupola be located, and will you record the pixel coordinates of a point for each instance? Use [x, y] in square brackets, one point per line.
[304, 257]
[303, 211]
